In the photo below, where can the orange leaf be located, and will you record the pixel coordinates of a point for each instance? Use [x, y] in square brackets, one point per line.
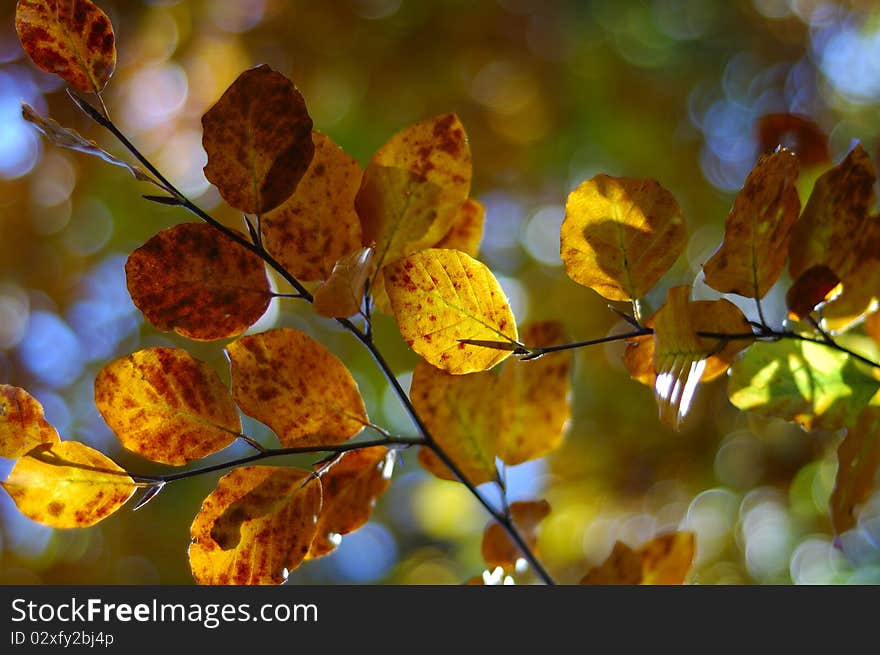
[68, 485]
[498, 549]
[194, 280]
[816, 285]
[620, 235]
[665, 560]
[460, 412]
[166, 405]
[442, 298]
[872, 327]
[22, 424]
[797, 133]
[757, 230]
[341, 295]
[297, 387]
[259, 141]
[534, 397]
[317, 224]
[255, 527]
[351, 488]
[467, 229]
[858, 461]
[71, 38]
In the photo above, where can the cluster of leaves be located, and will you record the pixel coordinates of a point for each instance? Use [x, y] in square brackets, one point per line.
[402, 236]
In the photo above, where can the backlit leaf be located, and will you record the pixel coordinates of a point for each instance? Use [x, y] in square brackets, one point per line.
[440, 297]
[64, 137]
[498, 549]
[22, 424]
[192, 279]
[460, 412]
[815, 285]
[317, 224]
[413, 188]
[534, 397]
[341, 295]
[350, 489]
[166, 405]
[68, 485]
[858, 461]
[682, 357]
[620, 235]
[70, 38]
[255, 527]
[664, 560]
[796, 133]
[872, 327]
[757, 229]
[799, 381]
[259, 141]
[466, 232]
[297, 387]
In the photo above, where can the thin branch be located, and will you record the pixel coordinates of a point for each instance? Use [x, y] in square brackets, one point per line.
[534, 353]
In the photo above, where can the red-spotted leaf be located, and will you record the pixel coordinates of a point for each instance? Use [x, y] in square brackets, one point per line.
[22, 424]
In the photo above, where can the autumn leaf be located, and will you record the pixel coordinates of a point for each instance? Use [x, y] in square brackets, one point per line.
[259, 141]
[166, 405]
[872, 327]
[498, 549]
[682, 357]
[413, 188]
[194, 280]
[341, 295]
[466, 232]
[64, 137]
[796, 133]
[297, 387]
[442, 297]
[22, 424]
[665, 560]
[858, 461]
[317, 225]
[68, 485]
[816, 285]
[620, 235]
[460, 412]
[800, 381]
[255, 527]
[534, 397]
[757, 230]
[70, 38]
[350, 489]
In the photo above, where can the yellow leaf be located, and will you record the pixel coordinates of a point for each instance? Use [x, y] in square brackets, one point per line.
[682, 357]
[297, 387]
[350, 488]
[498, 549]
[460, 412]
[68, 485]
[467, 229]
[442, 297]
[858, 461]
[665, 560]
[166, 405]
[534, 397]
[620, 235]
[194, 280]
[317, 224]
[341, 295]
[22, 424]
[255, 527]
[757, 230]
[413, 188]
[70, 38]
[259, 141]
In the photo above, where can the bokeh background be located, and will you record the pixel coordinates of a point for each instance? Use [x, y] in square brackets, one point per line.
[551, 93]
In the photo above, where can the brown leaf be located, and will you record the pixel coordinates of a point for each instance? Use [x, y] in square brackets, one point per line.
[166, 405]
[317, 225]
[797, 133]
[259, 141]
[665, 560]
[872, 327]
[350, 488]
[68, 485]
[341, 295]
[623, 567]
[757, 230]
[816, 285]
[70, 38]
[297, 387]
[858, 461]
[194, 280]
[498, 549]
[22, 424]
[255, 527]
